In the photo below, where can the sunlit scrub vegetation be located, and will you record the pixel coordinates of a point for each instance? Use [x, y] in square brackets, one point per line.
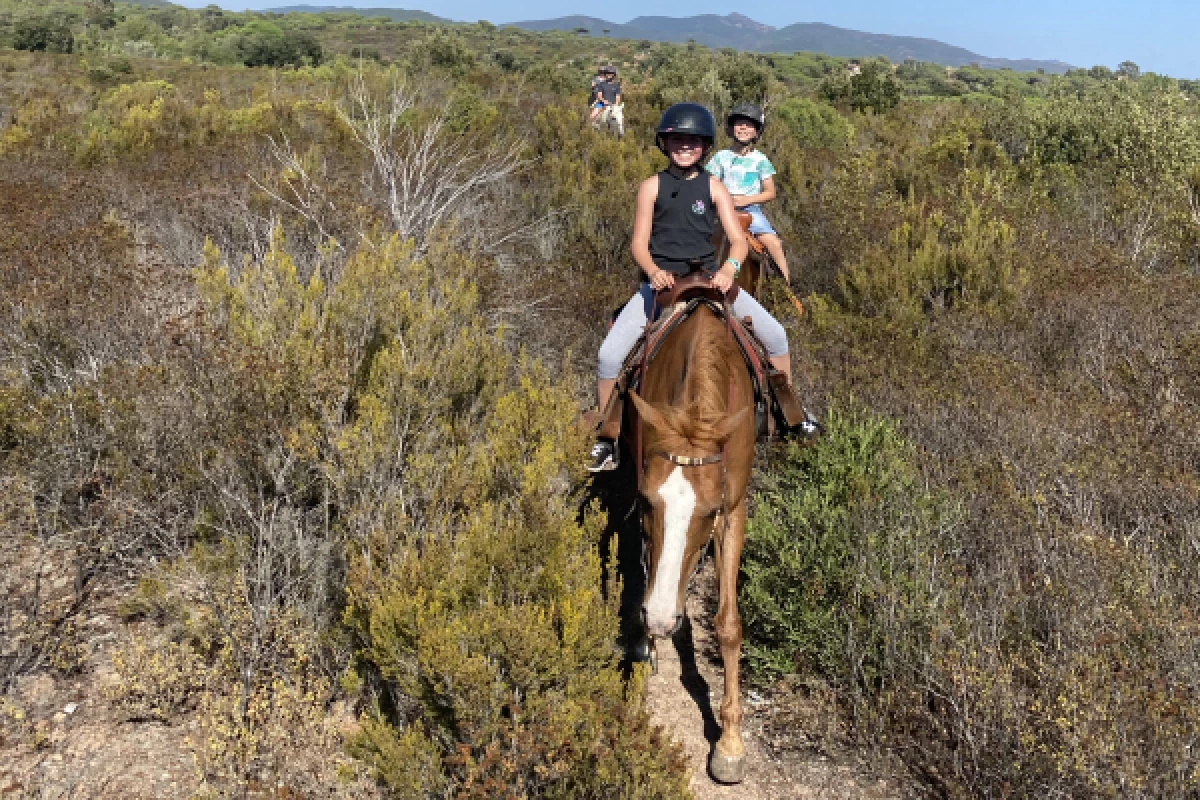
[297, 315]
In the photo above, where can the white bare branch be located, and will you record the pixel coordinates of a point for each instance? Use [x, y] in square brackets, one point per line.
[299, 191]
[425, 174]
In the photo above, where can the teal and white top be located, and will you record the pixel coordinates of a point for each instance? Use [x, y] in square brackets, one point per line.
[742, 175]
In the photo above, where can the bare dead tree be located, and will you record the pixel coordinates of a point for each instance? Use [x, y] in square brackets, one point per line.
[424, 174]
[299, 190]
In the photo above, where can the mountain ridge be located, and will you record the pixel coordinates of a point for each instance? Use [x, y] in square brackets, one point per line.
[394, 14]
[739, 32]
[742, 33]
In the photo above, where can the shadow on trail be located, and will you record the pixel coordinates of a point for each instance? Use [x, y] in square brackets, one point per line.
[693, 682]
[615, 494]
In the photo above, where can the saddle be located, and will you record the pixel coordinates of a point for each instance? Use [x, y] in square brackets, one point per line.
[776, 407]
[745, 221]
[758, 261]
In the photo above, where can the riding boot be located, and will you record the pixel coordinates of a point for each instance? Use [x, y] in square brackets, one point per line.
[611, 416]
[796, 419]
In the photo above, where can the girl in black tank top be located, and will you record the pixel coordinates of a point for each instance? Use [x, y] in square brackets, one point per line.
[684, 220]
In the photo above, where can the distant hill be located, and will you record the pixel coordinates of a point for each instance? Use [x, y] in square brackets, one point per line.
[733, 30]
[394, 14]
[149, 3]
[742, 33]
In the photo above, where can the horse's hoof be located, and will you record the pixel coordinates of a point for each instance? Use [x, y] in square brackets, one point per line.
[726, 769]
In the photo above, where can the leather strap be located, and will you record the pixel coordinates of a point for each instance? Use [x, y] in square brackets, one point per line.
[690, 461]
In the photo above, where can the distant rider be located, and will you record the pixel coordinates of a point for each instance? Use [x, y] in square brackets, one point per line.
[594, 95]
[674, 219]
[746, 173]
[608, 98]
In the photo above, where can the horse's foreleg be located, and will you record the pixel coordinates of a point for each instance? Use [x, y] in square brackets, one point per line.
[728, 761]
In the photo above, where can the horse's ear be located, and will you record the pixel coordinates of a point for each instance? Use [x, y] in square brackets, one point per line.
[653, 417]
[730, 424]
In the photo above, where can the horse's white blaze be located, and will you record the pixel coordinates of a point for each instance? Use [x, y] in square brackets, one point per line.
[679, 500]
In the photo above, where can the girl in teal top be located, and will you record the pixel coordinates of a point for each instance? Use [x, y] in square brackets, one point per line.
[747, 174]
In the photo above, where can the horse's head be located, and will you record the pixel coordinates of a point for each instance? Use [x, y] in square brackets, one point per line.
[682, 495]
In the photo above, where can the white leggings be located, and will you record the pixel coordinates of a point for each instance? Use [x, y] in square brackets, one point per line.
[632, 321]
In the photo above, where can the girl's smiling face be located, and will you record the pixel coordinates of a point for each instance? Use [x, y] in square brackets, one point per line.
[684, 149]
[744, 131]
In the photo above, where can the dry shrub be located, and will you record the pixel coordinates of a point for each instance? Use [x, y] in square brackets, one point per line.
[294, 432]
[473, 590]
[70, 323]
[281, 738]
[1094, 694]
[1053, 402]
[156, 681]
[932, 263]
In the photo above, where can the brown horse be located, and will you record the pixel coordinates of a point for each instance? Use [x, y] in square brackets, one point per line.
[696, 405]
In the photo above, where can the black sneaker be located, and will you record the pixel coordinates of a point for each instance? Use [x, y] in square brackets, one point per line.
[603, 456]
[809, 428]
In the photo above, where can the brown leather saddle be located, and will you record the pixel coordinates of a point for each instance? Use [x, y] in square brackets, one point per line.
[750, 278]
[776, 406]
[758, 261]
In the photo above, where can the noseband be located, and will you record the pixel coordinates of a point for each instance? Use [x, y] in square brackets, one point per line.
[690, 461]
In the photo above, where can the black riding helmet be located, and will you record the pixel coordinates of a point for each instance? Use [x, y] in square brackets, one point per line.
[689, 118]
[747, 111]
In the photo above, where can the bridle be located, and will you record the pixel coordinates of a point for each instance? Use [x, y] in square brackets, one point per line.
[696, 461]
[692, 461]
[703, 461]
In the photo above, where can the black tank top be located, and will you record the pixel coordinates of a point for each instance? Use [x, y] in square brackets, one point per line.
[683, 223]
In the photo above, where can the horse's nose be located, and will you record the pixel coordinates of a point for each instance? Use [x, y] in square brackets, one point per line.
[661, 627]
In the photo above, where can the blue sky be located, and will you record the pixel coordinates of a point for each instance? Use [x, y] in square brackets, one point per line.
[1160, 35]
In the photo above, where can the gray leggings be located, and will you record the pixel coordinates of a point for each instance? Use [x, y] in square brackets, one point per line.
[632, 320]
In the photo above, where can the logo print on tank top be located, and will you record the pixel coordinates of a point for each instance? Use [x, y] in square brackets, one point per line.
[698, 207]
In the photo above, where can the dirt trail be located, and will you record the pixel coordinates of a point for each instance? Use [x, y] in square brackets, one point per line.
[685, 696]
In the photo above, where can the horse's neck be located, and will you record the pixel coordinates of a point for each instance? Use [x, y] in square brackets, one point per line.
[703, 371]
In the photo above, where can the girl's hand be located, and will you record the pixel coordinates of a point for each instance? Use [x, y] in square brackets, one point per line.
[723, 280]
[661, 279]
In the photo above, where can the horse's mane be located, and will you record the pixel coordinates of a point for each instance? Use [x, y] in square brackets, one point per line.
[702, 402]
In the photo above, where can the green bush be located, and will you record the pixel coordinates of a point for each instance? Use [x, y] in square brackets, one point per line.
[43, 33]
[932, 262]
[264, 44]
[450, 50]
[1145, 132]
[1064, 662]
[874, 88]
[814, 124]
[474, 592]
[840, 574]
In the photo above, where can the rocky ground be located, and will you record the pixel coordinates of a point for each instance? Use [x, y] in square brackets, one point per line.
[60, 738]
[796, 747]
